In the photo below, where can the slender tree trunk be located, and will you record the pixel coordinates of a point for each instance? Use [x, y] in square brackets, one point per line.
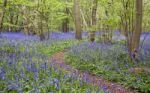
[2, 13]
[25, 21]
[11, 23]
[16, 22]
[11, 20]
[41, 26]
[77, 19]
[138, 28]
[1, 20]
[94, 12]
[65, 25]
[42, 37]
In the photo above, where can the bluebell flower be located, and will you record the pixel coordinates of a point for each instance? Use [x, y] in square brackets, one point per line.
[126, 65]
[36, 76]
[138, 78]
[19, 36]
[74, 75]
[36, 89]
[33, 67]
[12, 87]
[19, 88]
[56, 83]
[16, 77]
[105, 89]
[56, 80]
[22, 74]
[44, 65]
[2, 73]
[10, 63]
[28, 68]
[27, 79]
[65, 76]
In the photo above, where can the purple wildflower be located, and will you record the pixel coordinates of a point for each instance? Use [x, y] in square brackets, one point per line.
[56, 83]
[105, 89]
[2, 73]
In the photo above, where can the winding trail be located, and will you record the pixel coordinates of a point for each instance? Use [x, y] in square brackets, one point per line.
[110, 87]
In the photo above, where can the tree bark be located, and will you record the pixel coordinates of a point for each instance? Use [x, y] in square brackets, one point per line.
[77, 19]
[138, 28]
[94, 12]
[16, 23]
[25, 21]
[2, 13]
[65, 25]
[11, 19]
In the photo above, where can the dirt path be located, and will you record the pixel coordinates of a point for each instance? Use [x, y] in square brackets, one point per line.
[110, 87]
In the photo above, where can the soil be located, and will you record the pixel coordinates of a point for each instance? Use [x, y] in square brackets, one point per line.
[111, 87]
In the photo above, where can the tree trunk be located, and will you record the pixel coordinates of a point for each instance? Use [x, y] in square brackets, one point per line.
[25, 21]
[77, 19]
[42, 37]
[94, 12]
[11, 20]
[16, 22]
[138, 29]
[41, 26]
[1, 20]
[65, 25]
[2, 13]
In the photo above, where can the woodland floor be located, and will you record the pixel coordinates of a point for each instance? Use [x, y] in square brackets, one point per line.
[58, 60]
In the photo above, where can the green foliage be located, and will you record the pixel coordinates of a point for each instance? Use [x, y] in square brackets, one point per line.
[92, 28]
[21, 69]
[110, 62]
[52, 13]
[56, 47]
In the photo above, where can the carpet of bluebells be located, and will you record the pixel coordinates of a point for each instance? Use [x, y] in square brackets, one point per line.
[24, 64]
[25, 68]
[111, 61]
